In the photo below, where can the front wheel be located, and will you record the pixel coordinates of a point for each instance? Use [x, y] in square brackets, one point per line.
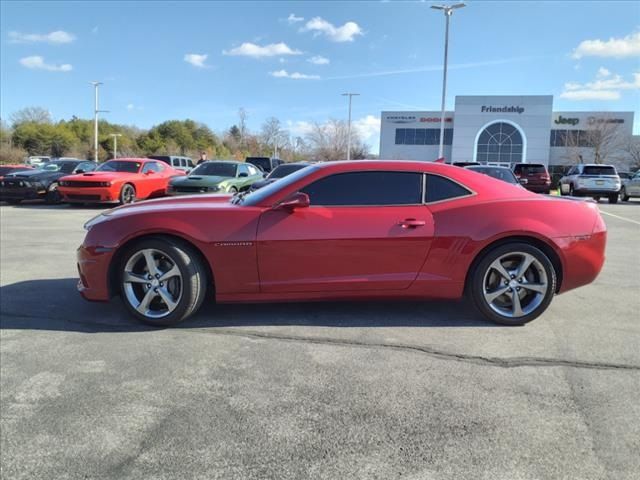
[127, 194]
[162, 281]
[513, 284]
[53, 195]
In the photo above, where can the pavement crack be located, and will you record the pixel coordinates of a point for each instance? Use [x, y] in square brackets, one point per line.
[511, 362]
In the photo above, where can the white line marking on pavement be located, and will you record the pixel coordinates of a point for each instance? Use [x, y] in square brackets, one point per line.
[621, 218]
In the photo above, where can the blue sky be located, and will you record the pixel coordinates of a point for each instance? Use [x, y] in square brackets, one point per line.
[292, 60]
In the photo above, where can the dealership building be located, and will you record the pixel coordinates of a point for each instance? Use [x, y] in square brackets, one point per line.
[500, 130]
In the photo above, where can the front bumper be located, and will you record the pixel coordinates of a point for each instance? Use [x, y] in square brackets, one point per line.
[22, 193]
[93, 268]
[89, 195]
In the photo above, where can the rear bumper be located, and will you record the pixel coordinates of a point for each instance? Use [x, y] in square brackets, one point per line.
[93, 268]
[541, 188]
[583, 259]
[588, 192]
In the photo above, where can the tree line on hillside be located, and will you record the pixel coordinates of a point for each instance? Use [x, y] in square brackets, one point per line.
[32, 131]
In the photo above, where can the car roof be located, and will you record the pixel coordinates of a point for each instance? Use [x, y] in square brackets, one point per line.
[232, 162]
[123, 159]
[477, 167]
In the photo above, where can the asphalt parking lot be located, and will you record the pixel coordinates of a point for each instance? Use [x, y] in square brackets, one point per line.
[338, 390]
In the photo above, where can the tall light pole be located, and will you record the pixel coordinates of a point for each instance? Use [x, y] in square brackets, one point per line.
[95, 120]
[350, 95]
[115, 143]
[448, 11]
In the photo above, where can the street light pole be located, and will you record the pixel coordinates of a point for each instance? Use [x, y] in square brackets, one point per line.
[448, 11]
[95, 120]
[115, 143]
[350, 95]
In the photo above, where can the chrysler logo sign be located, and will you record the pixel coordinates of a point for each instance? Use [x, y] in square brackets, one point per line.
[505, 109]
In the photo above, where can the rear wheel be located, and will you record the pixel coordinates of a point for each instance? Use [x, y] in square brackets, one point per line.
[623, 195]
[513, 284]
[613, 198]
[162, 281]
[127, 194]
[596, 198]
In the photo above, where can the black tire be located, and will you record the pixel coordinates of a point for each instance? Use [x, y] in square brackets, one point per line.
[538, 304]
[127, 194]
[571, 190]
[623, 195]
[596, 198]
[193, 281]
[53, 195]
[613, 198]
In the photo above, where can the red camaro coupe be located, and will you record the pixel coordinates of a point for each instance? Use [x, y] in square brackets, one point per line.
[347, 230]
[124, 180]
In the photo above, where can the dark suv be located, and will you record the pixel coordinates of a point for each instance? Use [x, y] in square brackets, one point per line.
[536, 176]
[265, 164]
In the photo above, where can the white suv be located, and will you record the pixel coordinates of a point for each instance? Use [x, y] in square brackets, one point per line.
[591, 180]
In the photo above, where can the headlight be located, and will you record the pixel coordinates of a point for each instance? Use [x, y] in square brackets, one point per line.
[94, 221]
[104, 184]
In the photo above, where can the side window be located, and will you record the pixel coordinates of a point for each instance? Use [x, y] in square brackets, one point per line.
[86, 166]
[252, 170]
[159, 167]
[190, 163]
[572, 171]
[183, 162]
[366, 188]
[243, 169]
[440, 188]
[150, 166]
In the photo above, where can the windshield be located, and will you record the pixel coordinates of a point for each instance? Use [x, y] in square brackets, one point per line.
[503, 174]
[599, 170]
[217, 169]
[284, 170]
[64, 167]
[119, 166]
[257, 196]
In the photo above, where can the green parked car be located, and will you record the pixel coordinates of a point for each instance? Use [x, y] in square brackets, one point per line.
[215, 177]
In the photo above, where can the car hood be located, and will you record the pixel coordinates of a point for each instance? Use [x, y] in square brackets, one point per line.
[167, 204]
[35, 175]
[199, 180]
[101, 176]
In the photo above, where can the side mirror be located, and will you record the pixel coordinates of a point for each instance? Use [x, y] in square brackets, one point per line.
[523, 181]
[293, 201]
[79, 171]
[243, 174]
[149, 172]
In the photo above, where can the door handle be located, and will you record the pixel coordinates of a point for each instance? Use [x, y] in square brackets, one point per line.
[411, 223]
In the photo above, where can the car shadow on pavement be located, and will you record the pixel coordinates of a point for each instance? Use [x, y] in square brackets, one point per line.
[55, 305]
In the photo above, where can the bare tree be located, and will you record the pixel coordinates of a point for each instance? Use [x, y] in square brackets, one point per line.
[602, 138]
[242, 125]
[632, 149]
[328, 141]
[31, 115]
[274, 135]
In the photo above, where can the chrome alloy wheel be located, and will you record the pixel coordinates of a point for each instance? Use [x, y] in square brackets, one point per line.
[152, 283]
[515, 284]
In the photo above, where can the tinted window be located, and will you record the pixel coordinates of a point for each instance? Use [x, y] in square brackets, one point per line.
[529, 169]
[440, 188]
[243, 169]
[599, 170]
[68, 167]
[216, 169]
[119, 166]
[263, 162]
[284, 170]
[367, 188]
[86, 166]
[150, 167]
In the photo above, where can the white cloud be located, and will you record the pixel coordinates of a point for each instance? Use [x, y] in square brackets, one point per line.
[248, 49]
[606, 86]
[56, 38]
[368, 127]
[628, 46]
[590, 95]
[345, 33]
[37, 62]
[293, 75]
[318, 60]
[299, 128]
[196, 59]
[293, 19]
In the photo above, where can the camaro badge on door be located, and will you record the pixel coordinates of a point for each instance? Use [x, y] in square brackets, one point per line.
[233, 244]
